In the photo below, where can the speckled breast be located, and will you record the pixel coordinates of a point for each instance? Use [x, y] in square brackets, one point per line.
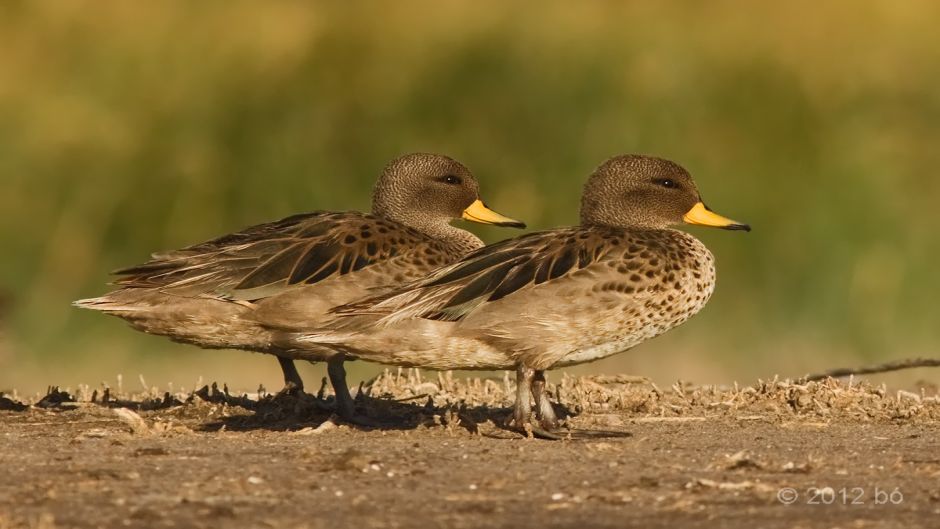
[671, 278]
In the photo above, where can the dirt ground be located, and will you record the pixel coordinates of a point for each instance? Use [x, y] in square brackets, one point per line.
[774, 454]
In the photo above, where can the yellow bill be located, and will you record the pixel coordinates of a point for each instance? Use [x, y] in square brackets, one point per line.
[701, 215]
[478, 212]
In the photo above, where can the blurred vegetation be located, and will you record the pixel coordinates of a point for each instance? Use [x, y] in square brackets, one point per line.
[129, 128]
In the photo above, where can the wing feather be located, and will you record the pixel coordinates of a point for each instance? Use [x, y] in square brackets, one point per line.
[485, 276]
[268, 258]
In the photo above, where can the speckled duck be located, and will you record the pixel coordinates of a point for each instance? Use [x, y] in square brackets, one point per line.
[251, 289]
[553, 298]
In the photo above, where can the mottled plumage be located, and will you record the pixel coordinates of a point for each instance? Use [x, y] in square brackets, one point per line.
[554, 298]
[306, 249]
[254, 288]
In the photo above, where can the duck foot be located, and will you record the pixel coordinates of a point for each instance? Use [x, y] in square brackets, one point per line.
[535, 430]
[290, 390]
[346, 412]
[546, 434]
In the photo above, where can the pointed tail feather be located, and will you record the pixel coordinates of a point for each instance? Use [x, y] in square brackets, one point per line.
[103, 304]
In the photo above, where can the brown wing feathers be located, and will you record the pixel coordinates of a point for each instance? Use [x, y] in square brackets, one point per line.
[487, 275]
[262, 259]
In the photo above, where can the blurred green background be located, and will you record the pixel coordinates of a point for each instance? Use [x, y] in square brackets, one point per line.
[132, 127]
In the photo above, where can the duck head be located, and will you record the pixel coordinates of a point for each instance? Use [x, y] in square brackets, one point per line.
[429, 190]
[646, 192]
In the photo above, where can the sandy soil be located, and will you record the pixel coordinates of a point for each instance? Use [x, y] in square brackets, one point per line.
[775, 454]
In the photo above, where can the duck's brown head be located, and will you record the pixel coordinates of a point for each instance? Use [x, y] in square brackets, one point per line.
[646, 192]
[422, 190]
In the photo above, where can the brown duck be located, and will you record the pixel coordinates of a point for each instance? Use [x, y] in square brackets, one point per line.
[553, 298]
[244, 290]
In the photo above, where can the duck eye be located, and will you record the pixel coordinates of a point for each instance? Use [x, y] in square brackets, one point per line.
[667, 183]
[451, 179]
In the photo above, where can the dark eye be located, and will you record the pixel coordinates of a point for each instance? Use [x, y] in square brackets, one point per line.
[667, 182]
[451, 179]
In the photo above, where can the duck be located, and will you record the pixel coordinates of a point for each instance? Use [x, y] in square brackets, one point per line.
[554, 298]
[253, 289]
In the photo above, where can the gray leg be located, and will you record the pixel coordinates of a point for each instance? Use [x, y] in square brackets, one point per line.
[344, 402]
[292, 380]
[522, 411]
[543, 406]
[523, 407]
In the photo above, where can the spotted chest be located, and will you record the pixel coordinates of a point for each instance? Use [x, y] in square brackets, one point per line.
[658, 281]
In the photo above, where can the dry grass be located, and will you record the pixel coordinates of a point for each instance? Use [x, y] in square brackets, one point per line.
[408, 397]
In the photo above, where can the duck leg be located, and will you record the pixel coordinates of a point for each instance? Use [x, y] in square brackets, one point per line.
[543, 406]
[345, 407]
[522, 410]
[293, 384]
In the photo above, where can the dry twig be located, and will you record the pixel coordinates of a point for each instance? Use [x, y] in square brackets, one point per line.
[909, 363]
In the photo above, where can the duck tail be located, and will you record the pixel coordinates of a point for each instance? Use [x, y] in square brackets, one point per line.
[103, 304]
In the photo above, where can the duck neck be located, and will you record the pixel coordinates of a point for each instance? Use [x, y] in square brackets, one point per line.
[436, 226]
[461, 240]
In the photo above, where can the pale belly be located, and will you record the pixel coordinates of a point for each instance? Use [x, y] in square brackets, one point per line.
[626, 336]
[597, 352]
[425, 344]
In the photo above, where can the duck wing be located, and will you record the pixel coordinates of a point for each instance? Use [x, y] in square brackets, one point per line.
[494, 272]
[267, 259]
